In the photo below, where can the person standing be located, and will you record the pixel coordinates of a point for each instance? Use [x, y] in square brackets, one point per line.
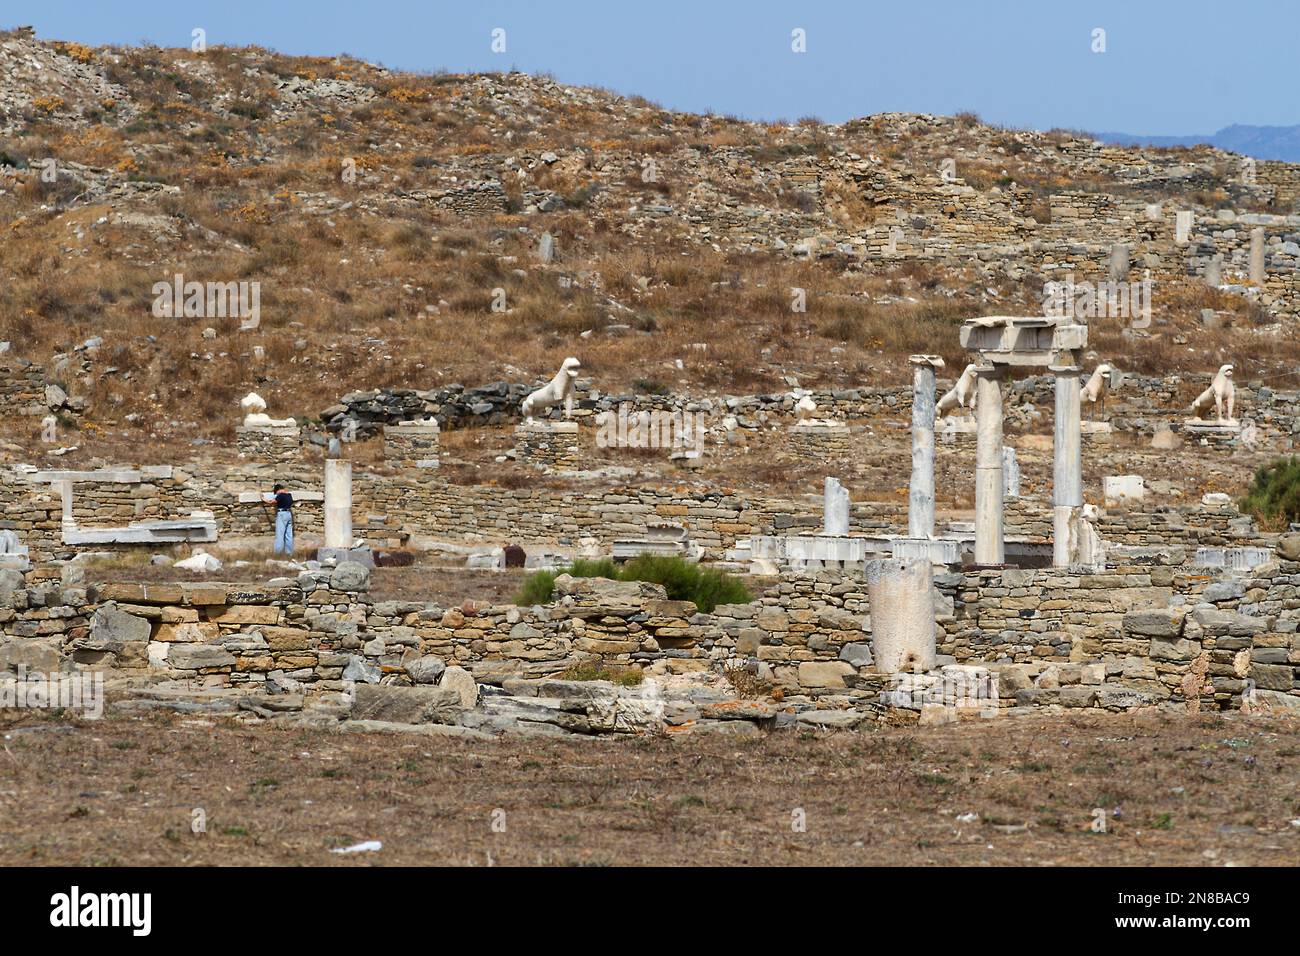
[283, 518]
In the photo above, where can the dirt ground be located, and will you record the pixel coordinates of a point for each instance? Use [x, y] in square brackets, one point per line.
[1202, 791]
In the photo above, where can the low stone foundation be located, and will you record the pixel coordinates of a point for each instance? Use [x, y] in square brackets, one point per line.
[819, 441]
[412, 444]
[552, 445]
[282, 443]
[1160, 636]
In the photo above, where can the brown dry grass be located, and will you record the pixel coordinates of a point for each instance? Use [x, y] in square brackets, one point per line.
[1198, 791]
[346, 291]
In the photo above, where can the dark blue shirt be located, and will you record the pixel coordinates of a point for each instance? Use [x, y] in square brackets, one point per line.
[283, 501]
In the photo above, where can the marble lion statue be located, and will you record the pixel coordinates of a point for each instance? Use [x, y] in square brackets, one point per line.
[961, 395]
[1098, 384]
[1220, 393]
[254, 408]
[557, 390]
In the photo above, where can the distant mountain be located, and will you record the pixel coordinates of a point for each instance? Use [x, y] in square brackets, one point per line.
[1262, 142]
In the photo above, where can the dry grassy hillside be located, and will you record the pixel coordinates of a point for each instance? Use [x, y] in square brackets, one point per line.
[339, 187]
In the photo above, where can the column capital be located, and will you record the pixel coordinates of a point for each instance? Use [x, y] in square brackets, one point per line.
[934, 361]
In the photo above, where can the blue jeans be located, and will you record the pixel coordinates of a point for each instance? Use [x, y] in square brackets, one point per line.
[284, 532]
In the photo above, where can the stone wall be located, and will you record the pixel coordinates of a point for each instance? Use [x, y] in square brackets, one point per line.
[417, 501]
[412, 445]
[278, 444]
[22, 387]
[549, 445]
[477, 199]
[1143, 636]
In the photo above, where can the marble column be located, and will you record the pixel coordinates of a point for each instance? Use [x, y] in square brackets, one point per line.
[920, 491]
[1118, 266]
[835, 508]
[1010, 473]
[1257, 255]
[900, 596]
[1214, 271]
[989, 546]
[338, 503]
[1067, 462]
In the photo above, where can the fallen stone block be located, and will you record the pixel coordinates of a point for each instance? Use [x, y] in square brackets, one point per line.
[406, 705]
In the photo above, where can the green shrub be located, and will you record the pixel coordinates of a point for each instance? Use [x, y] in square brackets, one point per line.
[600, 568]
[592, 670]
[682, 580]
[537, 588]
[1274, 494]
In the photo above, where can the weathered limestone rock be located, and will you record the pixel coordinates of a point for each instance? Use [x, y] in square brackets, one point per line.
[10, 581]
[110, 629]
[857, 654]
[461, 682]
[350, 576]
[1288, 547]
[824, 673]
[1122, 491]
[407, 705]
[1155, 622]
[198, 656]
[425, 670]
[359, 669]
[35, 655]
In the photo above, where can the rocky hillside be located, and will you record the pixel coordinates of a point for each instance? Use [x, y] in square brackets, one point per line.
[424, 231]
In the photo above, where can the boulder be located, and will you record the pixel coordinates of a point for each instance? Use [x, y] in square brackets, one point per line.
[824, 673]
[110, 629]
[858, 654]
[406, 705]
[1288, 547]
[426, 670]
[350, 576]
[10, 581]
[462, 682]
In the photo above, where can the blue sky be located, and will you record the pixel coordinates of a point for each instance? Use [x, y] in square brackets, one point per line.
[1170, 67]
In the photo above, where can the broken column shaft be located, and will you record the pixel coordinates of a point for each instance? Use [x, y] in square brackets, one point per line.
[901, 598]
[338, 503]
